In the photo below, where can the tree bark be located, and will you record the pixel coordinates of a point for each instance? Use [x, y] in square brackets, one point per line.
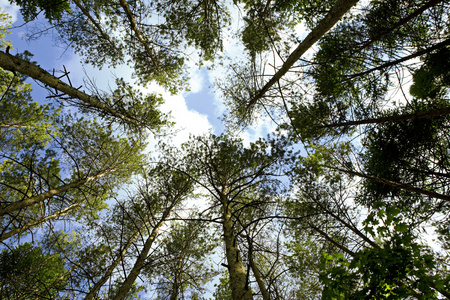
[139, 263]
[333, 16]
[136, 30]
[256, 273]
[418, 115]
[238, 276]
[60, 213]
[93, 291]
[53, 192]
[16, 64]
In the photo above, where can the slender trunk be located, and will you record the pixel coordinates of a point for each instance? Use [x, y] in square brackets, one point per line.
[134, 273]
[401, 22]
[331, 240]
[53, 192]
[60, 213]
[94, 22]
[176, 280]
[175, 288]
[16, 64]
[15, 126]
[93, 291]
[333, 16]
[403, 59]
[136, 30]
[258, 277]
[396, 184]
[58, 280]
[238, 276]
[418, 115]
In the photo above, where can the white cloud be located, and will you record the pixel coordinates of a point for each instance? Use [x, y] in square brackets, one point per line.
[10, 9]
[196, 80]
[187, 121]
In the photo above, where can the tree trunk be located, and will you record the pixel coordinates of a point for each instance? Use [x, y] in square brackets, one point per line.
[401, 22]
[403, 59]
[134, 273]
[333, 16]
[238, 276]
[15, 64]
[396, 184]
[418, 115]
[94, 22]
[53, 192]
[256, 273]
[60, 213]
[138, 33]
[93, 291]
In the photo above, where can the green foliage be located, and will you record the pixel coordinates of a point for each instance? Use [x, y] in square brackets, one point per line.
[5, 24]
[399, 269]
[53, 9]
[182, 268]
[26, 272]
[199, 24]
[432, 79]
[223, 289]
[413, 152]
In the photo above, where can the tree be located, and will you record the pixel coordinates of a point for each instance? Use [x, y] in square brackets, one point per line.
[182, 268]
[228, 171]
[125, 106]
[389, 233]
[160, 198]
[27, 272]
[345, 218]
[95, 163]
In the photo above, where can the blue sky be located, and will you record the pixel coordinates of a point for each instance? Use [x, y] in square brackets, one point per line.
[195, 112]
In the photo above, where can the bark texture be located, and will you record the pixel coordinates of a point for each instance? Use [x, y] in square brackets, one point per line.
[333, 16]
[238, 275]
[16, 64]
[53, 192]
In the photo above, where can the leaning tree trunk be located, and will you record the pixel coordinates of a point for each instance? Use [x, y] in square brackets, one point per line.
[60, 213]
[53, 192]
[134, 273]
[333, 16]
[16, 64]
[93, 291]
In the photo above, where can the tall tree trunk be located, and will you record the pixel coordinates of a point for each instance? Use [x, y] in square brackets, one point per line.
[403, 59]
[401, 22]
[177, 278]
[256, 273]
[53, 192]
[396, 184]
[60, 213]
[396, 118]
[16, 64]
[138, 33]
[93, 291]
[238, 276]
[333, 16]
[139, 263]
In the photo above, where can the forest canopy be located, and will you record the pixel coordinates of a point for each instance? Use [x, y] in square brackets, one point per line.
[347, 196]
